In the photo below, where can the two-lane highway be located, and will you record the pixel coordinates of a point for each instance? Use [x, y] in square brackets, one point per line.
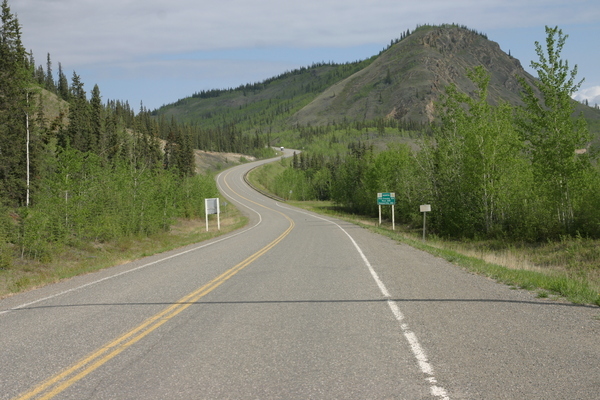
[293, 306]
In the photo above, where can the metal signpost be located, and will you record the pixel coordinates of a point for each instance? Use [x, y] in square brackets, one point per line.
[425, 208]
[212, 207]
[387, 199]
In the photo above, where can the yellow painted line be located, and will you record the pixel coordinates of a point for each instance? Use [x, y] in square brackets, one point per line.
[78, 371]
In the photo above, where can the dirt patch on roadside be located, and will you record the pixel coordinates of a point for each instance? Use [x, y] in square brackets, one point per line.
[214, 161]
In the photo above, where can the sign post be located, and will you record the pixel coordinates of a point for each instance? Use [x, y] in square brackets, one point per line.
[425, 208]
[211, 206]
[387, 199]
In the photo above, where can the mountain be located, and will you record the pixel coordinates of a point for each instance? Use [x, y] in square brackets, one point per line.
[403, 82]
[265, 104]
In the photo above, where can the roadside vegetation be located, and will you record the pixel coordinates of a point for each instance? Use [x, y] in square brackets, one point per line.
[86, 257]
[563, 270]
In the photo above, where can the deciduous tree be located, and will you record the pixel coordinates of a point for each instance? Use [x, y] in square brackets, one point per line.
[553, 135]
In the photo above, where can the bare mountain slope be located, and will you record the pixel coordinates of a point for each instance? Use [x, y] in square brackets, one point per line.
[405, 81]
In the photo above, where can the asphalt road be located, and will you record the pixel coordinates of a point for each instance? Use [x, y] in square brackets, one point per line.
[294, 306]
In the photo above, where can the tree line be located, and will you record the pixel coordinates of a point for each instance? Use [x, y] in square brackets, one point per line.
[515, 172]
[257, 111]
[338, 70]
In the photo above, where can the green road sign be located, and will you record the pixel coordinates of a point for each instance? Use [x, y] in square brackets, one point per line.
[386, 199]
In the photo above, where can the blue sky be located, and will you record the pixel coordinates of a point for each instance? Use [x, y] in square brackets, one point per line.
[157, 52]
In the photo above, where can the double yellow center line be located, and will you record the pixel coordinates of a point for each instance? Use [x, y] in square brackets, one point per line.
[71, 375]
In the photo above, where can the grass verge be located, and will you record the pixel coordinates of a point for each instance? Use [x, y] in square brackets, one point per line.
[89, 257]
[553, 270]
[259, 177]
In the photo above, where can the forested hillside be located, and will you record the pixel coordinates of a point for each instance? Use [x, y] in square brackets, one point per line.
[260, 110]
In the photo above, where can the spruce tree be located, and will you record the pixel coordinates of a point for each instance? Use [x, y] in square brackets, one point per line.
[78, 134]
[63, 84]
[49, 83]
[15, 78]
[97, 140]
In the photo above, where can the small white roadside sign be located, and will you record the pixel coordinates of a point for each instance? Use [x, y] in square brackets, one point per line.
[425, 208]
[211, 206]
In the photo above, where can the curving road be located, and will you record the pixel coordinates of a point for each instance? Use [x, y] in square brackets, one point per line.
[293, 306]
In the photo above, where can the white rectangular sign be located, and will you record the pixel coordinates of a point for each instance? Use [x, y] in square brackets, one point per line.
[426, 208]
[212, 206]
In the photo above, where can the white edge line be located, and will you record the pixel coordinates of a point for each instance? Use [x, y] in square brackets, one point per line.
[409, 335]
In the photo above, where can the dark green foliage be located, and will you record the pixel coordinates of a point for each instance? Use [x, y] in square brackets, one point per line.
[78, 133]
[388, 78]
[63, 84]
[15, 77]
[49, 80]
[349, 179]
[97, 136]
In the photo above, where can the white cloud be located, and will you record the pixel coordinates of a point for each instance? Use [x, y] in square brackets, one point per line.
[591, 94]
[80, 31]
[107, 40]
